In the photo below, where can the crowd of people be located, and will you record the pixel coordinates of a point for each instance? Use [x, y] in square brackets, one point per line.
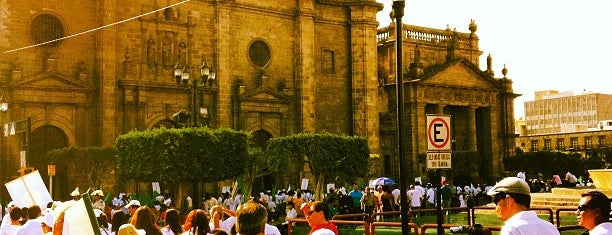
[127, 216]
[228, 215]
[540, 184]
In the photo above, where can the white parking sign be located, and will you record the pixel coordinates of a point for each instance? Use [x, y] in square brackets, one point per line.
[438, 133]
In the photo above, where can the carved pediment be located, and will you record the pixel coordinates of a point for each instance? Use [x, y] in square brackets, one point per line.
[459, 73]
[51, 81]
[264, 95]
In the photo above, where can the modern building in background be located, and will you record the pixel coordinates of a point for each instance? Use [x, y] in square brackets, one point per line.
[562, 112]
[281, 67]
[563, 121]
[578, 141]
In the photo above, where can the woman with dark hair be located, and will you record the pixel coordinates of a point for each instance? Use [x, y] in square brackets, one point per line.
[118, 218]
[197, 223]
[24, 215]
[144, 219]
[103, 223]
[172, 225]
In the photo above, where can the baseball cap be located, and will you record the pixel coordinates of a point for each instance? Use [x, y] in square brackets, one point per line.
[510, 185]
[129, 229]
[133, 203]
[98, 192]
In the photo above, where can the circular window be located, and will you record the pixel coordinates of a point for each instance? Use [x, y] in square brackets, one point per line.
[47, 28]
[259, 53]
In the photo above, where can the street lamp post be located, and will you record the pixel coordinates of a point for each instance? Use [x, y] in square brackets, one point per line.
[398, 13]
[208, 76]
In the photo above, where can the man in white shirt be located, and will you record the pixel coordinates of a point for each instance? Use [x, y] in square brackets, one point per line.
[415, 196]
[512, 200]
[229, 223]
[431, 197]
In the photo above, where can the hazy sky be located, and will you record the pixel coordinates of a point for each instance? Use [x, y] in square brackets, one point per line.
[563, 45]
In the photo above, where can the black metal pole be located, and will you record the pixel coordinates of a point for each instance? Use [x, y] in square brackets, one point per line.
[398, 11]
[440, 218]
[194, 94]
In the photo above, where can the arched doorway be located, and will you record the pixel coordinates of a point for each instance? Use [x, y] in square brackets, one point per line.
[43, 140]
[266, 182]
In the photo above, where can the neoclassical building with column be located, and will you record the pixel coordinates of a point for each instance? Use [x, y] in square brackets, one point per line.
[442, 77]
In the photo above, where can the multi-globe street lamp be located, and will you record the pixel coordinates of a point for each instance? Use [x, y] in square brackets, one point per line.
[182, 74]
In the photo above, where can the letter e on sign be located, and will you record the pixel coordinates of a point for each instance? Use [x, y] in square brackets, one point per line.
[438, 133]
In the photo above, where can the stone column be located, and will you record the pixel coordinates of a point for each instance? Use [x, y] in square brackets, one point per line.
[364, 72]
[471, 130]
[222, 64]
[107, 57]
[306, 66]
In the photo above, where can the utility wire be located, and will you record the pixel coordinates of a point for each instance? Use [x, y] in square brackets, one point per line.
[95, 29]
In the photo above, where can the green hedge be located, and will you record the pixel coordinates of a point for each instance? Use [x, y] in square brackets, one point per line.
[174, 155]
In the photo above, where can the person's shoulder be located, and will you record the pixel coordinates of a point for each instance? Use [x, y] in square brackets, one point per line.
[323, 231]
[603, 228]
[272, 230]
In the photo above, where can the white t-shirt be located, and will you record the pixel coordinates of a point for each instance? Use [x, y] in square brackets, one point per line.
[396, 194]
[521, 175]
[431, 196]
[323, 231]
[31, 227]
[227, 225]
[415, 197]
[9, 229]
[271, 230]
[291, 214]
[601, 229]
[167, 231]
[528, 223]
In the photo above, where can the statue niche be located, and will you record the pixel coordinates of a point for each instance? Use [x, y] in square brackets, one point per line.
[166, 51]
[151, 52]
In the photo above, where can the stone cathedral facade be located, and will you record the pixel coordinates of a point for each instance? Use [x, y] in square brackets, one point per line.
[282, 67]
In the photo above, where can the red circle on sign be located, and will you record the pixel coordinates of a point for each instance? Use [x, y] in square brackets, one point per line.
[447, 133]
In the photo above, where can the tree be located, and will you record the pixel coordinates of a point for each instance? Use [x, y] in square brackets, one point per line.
[90, 163]
[257, 165]
[177, 155]
[465, 166]
[327, 155]
[552, 163]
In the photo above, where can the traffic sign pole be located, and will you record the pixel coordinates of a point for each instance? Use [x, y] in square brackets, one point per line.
[438, 156]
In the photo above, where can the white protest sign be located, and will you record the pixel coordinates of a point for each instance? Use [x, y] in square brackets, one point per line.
[29, 190]
[304, 184]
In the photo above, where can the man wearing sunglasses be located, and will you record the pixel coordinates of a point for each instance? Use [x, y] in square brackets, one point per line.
[594, 213]
[512, 201]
